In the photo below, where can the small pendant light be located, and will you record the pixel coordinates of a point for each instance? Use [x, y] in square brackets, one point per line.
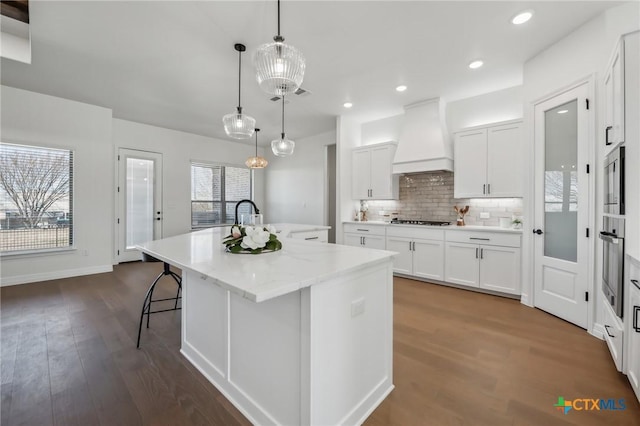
[238, 125]
[279, 67]
[256, 162]
[282, 147]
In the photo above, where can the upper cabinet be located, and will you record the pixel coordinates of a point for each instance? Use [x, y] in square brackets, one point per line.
[372, 178]
[614, 97]
[488, 161]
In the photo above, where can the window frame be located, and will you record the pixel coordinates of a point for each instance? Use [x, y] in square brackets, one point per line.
[222, 201]
[72, 203]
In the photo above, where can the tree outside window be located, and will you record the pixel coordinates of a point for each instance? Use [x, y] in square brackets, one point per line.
[36, 198]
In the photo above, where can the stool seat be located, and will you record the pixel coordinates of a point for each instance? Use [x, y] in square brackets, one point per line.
[148, 299]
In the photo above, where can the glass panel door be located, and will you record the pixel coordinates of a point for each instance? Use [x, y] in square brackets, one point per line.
[561, 182]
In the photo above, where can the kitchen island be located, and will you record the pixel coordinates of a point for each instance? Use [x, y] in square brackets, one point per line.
[301, 336]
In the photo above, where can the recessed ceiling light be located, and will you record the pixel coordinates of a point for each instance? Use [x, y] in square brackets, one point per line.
[563, 111]
[347, 104]
[476, 64]
[522, 17]
[401, 88]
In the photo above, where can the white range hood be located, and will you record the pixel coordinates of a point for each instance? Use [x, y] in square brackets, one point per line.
[424, 144]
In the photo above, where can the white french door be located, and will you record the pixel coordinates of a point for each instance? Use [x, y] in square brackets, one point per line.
[562, 203]
[139, 201]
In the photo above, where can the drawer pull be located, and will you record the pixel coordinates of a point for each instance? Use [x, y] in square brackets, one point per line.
[636, 311]
[635, 282]
[363, 230]
[311, 238]
[607, 327]
[480, 239]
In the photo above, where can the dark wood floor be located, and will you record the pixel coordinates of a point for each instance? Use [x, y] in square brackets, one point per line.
[460, 358]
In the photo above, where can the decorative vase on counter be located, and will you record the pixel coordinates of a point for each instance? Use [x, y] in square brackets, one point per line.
[461, 212]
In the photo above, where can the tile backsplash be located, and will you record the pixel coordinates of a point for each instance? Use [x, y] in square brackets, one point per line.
[429, 196]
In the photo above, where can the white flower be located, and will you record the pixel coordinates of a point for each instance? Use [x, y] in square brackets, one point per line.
[255, 238]
[235, 231]
[271, 229]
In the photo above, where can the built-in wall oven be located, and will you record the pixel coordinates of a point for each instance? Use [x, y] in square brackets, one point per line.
[612, 237]
[614, 182]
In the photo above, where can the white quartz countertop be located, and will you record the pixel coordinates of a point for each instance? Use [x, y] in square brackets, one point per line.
[263, 276]
[446, 228]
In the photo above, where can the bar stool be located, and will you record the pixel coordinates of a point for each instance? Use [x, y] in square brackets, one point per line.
[148, 299]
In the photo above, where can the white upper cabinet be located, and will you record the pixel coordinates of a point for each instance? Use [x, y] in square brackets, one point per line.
[488, 161]
[371, 172]
[614, 97]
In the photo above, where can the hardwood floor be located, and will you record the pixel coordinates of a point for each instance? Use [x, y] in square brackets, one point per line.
[460, 358]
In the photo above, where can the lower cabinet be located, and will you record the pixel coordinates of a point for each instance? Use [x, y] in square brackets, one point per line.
[420, 258]
[613, 334]
[364, 235]
[483, 265]
[633, 366]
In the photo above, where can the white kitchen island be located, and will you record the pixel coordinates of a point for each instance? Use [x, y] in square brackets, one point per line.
[301, 336]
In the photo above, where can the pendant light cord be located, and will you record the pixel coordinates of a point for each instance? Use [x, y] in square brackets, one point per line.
[282, 116]
[257, 130]
[278, 18]
[239, 79]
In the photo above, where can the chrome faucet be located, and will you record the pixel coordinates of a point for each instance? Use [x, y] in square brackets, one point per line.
[245, 201]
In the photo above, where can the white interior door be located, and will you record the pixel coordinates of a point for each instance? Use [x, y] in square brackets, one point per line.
[562, 204]
[139, 201]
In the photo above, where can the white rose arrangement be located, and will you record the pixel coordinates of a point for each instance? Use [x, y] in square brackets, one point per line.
[252, 239]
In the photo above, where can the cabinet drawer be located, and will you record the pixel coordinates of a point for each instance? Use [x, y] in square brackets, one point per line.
[415, 232]
[486, 238]
[613, 335]
[321, 236]
[365, 229]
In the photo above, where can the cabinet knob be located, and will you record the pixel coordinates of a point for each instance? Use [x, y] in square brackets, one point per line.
[538, 231]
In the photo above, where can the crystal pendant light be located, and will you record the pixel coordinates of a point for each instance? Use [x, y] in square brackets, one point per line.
[239, 125]
[279, 67]
[282, 147]
[256, 162]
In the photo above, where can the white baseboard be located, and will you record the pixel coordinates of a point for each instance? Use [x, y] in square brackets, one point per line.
[54, 275]
[598, 331]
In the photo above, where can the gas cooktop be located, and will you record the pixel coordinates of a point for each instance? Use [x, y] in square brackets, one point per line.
[420, 222]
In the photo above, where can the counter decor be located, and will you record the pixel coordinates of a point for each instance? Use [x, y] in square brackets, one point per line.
[252, 240]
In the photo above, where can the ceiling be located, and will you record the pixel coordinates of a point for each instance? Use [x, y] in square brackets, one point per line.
[173, 65]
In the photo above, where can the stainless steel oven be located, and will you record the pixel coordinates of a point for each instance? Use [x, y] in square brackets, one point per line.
[614, 182]
[612, 237]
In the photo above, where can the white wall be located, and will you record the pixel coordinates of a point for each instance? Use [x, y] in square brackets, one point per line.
[501, 105]
[349, 136]
[383, 130]
[33, 118]
[582, 53]
[295, 185]
[178, 150]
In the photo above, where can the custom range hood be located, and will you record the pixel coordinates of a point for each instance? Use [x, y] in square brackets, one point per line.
[424, 144]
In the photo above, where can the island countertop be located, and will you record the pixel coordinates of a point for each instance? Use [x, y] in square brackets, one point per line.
[263, 276]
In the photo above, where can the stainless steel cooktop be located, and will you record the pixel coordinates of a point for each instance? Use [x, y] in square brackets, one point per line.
[420, 222]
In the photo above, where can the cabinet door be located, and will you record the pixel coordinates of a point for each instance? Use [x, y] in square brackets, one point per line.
[470, 164]
[461, 264]
[634, 340]
[352, 240]
[361, 174]
[500, 269]
[504, 161]
[374, 242]
[428, 259]
[617, 74]
[403, 262]
[381, 174]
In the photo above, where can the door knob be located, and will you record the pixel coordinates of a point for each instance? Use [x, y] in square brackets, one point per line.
[538, 231]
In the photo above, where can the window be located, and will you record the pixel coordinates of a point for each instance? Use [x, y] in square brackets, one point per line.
[215, 191]
[36, 198]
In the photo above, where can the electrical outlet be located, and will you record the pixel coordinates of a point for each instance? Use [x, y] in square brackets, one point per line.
[357, 307]
[484, 215]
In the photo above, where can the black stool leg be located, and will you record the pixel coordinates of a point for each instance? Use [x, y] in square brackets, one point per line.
[146, 306]
[148, 299]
